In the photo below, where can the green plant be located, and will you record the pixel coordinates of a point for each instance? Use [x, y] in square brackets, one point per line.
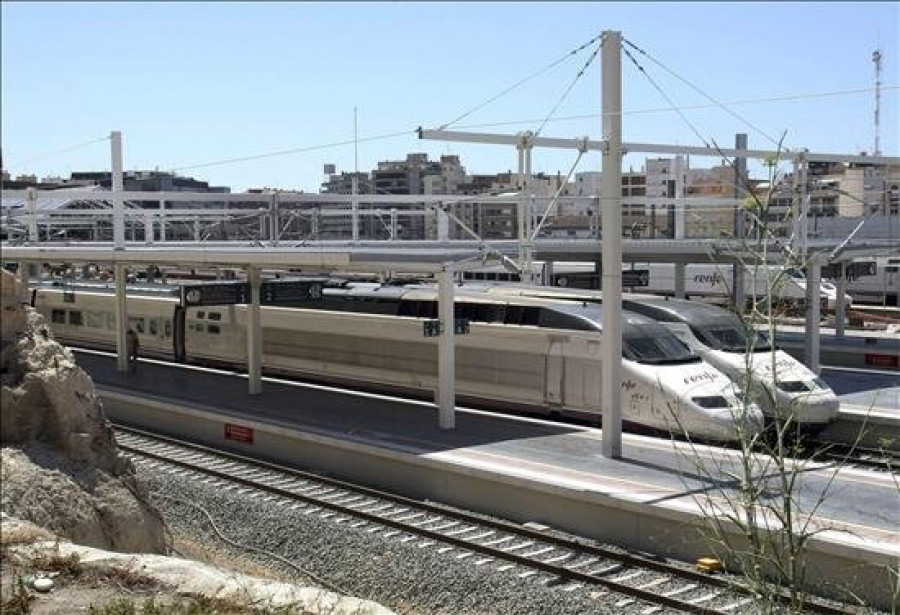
[20, 601]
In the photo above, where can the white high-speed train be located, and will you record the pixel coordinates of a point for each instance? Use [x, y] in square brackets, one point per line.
[711, 280]
[777, 382]
[526, 354]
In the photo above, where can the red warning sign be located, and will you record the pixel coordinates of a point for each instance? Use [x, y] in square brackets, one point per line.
[239, 433]
[883, 360]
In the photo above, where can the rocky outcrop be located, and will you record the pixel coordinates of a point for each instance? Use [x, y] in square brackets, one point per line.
[61, 468]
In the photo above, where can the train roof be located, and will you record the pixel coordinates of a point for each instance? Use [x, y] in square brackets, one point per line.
[677, 310]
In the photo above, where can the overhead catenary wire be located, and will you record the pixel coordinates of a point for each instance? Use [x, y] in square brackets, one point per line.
[295, 150]
[533, 75]
[64, 150]
[746, 101]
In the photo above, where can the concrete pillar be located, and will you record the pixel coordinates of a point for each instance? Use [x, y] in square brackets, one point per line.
[162, 221]
[446, 393]
[274, 219]
[679, 280]
[117, 187]
[610, 197]
[839, 310]
[31, 207]
[443, 224]
[254, 333]
[196, 229]
[813, 316]
[354, 208]
[740, 230]
[148, 227]
[393, 223]
[121, 319]
[547, 278]
[523, 212]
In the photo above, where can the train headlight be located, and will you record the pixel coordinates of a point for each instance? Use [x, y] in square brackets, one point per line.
[711, 401]
[793, 386]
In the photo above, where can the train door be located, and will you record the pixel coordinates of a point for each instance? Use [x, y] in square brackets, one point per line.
[554, 374]
[178, 334]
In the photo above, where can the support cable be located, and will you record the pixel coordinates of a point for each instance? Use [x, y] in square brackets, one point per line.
[569, 89]
[553, 64]
[666, 96]
[553, 201]
[702, 93]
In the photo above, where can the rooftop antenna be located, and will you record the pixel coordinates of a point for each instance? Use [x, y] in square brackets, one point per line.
[876, 58]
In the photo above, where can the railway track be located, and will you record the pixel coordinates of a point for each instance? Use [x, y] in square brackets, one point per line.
[507, 547]
[855, 456]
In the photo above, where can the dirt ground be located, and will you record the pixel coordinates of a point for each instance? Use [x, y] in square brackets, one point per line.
[113, 591]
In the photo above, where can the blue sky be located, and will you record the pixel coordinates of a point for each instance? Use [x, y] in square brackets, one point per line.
[192, 83]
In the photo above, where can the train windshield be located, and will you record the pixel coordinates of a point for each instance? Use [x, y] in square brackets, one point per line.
[731, 336]
[654, 344]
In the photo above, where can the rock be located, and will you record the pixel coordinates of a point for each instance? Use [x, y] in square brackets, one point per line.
[65, 472]
[43, 584]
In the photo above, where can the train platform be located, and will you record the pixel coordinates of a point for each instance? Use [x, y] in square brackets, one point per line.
[657, 498]
[857, 348]
[869, 416]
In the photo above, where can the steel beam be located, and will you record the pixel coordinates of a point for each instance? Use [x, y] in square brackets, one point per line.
[121, 319]
[118, 201]
[254, 333]
[446, 391]
[611, 212]
[813, 315]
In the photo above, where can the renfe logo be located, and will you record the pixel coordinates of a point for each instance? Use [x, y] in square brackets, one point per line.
[709, 278]
[695, 378]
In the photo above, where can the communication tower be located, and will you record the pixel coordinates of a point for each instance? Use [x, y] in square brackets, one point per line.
[876, 58]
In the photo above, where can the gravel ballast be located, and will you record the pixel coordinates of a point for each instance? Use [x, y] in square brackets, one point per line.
[401, 576]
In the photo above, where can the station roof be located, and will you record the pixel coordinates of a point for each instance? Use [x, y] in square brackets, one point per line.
[55, 200]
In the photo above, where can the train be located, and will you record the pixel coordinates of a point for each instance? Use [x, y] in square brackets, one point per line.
[879, 285]
[707, 280]
[525, 354]
[779, 383]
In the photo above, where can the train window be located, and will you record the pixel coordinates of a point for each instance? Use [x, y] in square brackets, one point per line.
[58, 317]
[154, 326]
[215, 316]
[201, 314]
[408, 308]
[792, 386]
[198, 327]
[110, 321]
[137, 323]
[94, 319]
[463, 310]
[427, 309]
[213, 329]
[75, 318]
[553, 319]
[167, 328]
[487, 312]
[513, 314]
[522, 315]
